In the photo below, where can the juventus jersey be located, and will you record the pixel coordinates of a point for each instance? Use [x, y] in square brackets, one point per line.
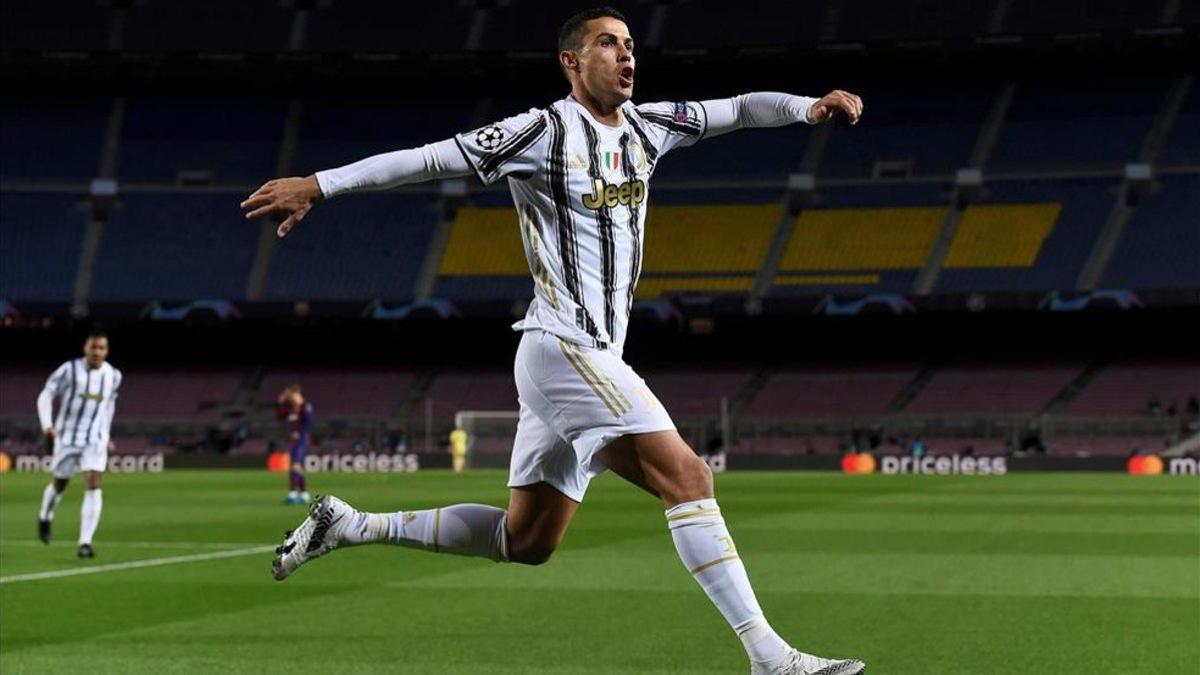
[581, 189]
[86, 398]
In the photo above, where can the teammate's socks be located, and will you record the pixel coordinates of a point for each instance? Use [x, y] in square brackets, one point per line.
[462, 529]
[89, 515]
[50, 500]
[707, 551]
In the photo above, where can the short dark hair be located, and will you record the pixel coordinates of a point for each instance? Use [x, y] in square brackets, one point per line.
[96, 334]
[572, 31]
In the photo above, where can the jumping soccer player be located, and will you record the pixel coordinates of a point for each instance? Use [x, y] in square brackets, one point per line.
[298, 413]
[578, 172]
[86, 393]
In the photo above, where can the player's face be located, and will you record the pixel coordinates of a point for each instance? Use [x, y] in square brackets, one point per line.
[606, 61]
[95, 350]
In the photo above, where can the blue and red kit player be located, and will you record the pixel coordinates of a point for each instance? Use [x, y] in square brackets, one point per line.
[299, 416]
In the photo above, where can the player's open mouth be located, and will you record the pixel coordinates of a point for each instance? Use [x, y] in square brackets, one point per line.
[625, 77]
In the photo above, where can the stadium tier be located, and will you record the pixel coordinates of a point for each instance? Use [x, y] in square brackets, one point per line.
[52, 139]
[177, 394]
[42, 236]
[229, 141]
[1160, 245]
[1020, 389]
[831, 391]
[183, 246]
[375, 393]
[1128, 388]
[371, 246]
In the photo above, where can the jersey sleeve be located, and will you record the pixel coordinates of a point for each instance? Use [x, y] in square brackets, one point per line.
[671, 125]
[513, 146]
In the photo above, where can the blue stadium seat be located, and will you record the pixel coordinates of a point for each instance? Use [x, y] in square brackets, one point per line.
[1182, 146]
[1160, 246]
[361, 247]
[175, 247]
[387, 26]
[63, 25]
[1070, 124]
[236, 139]
[41, 236]
[934, 129]
[52, 139]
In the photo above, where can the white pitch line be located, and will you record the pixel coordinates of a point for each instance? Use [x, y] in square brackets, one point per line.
[134, 564]
[136, 544]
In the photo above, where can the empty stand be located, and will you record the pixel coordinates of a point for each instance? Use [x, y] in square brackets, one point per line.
[65, 25]
[975, 389]
[1160, 245]
[1127, 388]
[830, 391]
[385, 26]
[367, 246]
[202, 26]
[179, 394]
[451, 392]
[40, 242]
[343, 392]
[52, 138]
[233, 140]
[175, 247]
[695, 392]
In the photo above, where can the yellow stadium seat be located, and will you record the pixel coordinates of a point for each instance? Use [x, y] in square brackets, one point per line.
[1008, 235]
[894, 238]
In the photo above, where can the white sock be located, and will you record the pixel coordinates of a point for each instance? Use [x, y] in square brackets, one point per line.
[292, 494]
[50, 500]
[462, 529]
[89, 515]
[707, 551]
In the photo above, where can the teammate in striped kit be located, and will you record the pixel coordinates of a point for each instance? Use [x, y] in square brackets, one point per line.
[85, 391]
[578, 172]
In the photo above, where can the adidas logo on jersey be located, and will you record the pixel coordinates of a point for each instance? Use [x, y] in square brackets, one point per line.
[607, 194]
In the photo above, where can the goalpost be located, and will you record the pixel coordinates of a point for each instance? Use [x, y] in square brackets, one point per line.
[490, 435]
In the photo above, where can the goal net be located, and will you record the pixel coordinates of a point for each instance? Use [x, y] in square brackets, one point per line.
[490, 435]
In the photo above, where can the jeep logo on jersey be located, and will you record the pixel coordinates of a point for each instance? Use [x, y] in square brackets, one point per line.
[630, 192]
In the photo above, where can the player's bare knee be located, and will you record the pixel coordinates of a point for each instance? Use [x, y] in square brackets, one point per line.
[691, 480]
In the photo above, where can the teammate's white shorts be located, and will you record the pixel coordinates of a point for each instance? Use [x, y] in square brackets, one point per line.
[574, 401]
[67, 458]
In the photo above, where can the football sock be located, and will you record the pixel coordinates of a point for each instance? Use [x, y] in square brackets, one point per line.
[50, 500]
[89, 515]
[707, 551]
[462, 529]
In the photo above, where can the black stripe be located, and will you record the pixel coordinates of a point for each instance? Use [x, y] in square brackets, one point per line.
[61, 425]
[520, 141]
[87, 438]
[467, 158]
[608, 247]
[647, 146]
[568, 245]
[635, 257]
[87, 390]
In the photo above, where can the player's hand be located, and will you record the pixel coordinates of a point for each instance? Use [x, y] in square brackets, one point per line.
[290, 198]
[112, 447]
[833, 102]
[50, 433]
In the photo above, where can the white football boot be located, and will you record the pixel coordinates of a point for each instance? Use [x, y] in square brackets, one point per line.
[319, 534]
[797, 662]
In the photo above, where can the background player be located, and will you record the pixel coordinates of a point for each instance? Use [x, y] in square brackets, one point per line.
[298, 413]
[85, 392]
[583, 410]
[458, 450]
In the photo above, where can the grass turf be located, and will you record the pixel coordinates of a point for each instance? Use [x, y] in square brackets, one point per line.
[1062, 573]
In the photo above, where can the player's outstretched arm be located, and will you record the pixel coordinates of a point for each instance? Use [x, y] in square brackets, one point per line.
[772, 109]
[292, 198]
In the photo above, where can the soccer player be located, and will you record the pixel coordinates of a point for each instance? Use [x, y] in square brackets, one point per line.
[578, 171]
[85, 391]
[458, 450]
[298, 413]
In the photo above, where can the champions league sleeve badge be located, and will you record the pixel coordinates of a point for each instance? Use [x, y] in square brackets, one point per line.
[489, 138]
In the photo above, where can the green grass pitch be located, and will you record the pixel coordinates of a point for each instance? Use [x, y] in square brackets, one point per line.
[1060, 573]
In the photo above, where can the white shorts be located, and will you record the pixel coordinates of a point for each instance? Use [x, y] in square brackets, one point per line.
[66, 458]
[574, 401]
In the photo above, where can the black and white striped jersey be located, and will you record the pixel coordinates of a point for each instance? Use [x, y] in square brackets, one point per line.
[581, 190]
[86, 399]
